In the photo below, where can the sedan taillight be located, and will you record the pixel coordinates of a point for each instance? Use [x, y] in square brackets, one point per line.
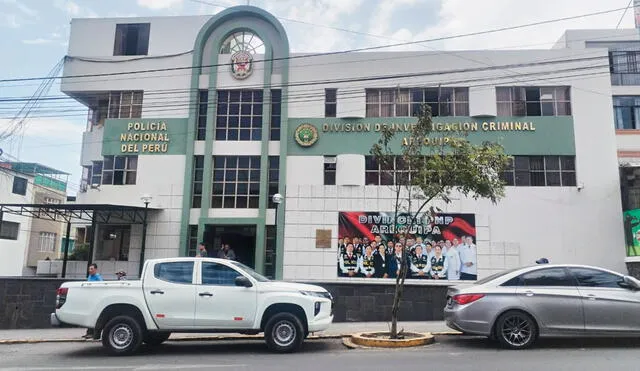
[463, 299]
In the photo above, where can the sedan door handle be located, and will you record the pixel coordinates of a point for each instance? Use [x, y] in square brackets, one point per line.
[591, 296]
[157, 292]
[529, 293]
[205, 294]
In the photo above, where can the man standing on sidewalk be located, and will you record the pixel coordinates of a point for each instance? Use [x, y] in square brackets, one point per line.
[93, 276]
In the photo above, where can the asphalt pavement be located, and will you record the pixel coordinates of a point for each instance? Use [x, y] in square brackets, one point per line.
[448, 353]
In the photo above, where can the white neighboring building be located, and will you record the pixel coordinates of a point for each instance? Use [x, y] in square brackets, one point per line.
[623, 47]
[214, 136]
[15, 188]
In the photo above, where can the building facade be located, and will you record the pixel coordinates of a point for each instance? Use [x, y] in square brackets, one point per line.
[623, 48]
[219, 116]
[25, 240]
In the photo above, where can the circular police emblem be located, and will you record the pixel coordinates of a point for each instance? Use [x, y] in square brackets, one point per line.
[306, 135]
[241, 64]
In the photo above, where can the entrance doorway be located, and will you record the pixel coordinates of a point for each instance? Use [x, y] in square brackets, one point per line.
[240, 238]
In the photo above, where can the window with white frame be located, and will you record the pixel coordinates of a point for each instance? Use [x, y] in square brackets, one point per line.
[626, 110]
[203, 102]
[444, 101]
[330, 102]
[95, 173]
[239, 115]
[624, 66]
[125, 104]
[393, 171]
[119, 170]
[236, 182]
[9, 230]
[47, 242]
[534, 101]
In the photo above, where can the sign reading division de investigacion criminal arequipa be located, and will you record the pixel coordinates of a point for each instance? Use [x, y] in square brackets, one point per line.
[519, 135]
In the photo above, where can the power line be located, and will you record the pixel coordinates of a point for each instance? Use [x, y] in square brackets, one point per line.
[326, 53]
[170, 103]
[623, 14]
[191, 133]
[417, 55]
[416, 74]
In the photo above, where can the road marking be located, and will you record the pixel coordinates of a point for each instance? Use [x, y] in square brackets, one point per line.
[125, 367]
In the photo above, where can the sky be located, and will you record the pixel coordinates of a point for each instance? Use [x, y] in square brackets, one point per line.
[35, 38]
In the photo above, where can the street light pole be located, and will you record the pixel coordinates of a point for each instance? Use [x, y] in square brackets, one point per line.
[146, 199]
[277, 200]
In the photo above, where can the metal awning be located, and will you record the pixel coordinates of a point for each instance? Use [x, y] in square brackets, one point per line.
[103, 213]
[74, 213]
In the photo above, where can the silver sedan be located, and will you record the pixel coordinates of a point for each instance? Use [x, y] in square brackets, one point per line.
[517, 306]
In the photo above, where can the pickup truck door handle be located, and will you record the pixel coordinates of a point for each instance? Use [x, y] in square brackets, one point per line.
[157, 292]
[205, 294]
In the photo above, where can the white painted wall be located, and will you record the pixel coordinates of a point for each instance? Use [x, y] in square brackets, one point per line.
[561, 224]
[592, 41]
[161, 177]
[14, 252]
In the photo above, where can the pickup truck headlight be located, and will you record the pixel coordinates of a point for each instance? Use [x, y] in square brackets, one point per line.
[317, 294]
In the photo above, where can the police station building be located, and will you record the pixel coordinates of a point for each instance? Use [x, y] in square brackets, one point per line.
[220, 116]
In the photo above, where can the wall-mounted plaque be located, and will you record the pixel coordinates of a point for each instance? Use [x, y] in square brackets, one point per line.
[323, 238]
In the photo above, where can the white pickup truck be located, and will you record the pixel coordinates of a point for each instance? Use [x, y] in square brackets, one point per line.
[193, 295]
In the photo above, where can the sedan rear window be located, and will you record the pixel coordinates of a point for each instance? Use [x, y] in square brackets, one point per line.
[495, 276]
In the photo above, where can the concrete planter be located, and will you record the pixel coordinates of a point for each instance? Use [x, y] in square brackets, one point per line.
[381, 340]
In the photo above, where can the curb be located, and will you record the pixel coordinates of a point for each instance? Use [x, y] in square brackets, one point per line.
[199, 338]
[180, 339]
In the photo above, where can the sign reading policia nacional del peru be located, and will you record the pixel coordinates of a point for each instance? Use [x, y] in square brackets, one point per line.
[144, 137]
[518, 135]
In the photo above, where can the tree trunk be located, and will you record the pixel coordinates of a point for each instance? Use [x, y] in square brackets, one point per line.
[401, 277]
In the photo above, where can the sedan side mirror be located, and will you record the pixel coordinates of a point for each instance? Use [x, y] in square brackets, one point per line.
[243, 281]
[630, 283]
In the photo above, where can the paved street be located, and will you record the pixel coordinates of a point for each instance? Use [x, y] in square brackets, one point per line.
[449, 353]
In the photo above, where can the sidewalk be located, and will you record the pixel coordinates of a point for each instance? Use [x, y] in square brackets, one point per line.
[335, 331]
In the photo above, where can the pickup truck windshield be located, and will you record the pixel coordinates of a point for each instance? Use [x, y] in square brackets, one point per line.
[251, 272]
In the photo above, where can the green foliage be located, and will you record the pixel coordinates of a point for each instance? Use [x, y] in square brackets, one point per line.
[80, 252]
[454, 164]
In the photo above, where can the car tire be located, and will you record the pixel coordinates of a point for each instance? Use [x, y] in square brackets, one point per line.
[156, 338]
[122, 336]
[516, 330]
[284, 333]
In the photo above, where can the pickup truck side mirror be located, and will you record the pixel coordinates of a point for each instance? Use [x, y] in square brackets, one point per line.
[243, 281]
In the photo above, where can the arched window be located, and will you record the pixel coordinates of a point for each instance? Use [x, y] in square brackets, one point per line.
[242, 41]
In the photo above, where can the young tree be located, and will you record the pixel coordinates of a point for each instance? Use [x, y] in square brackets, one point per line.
[429, 167]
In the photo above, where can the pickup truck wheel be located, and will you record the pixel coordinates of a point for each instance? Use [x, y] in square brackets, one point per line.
[156, 338]
[284, 333]
[122, 336]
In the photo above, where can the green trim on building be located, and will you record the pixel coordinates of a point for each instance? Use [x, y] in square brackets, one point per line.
[519, 135]
[217, 29]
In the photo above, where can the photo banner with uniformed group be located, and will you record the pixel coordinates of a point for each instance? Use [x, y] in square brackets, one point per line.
[439, 247]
